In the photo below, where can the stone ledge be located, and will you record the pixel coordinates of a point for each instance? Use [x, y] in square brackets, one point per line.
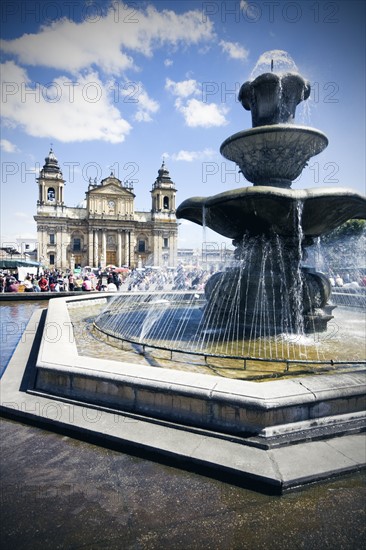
[232, 406]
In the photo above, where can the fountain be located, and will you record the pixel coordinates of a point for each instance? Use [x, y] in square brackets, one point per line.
[271, 225]
[268, 301]
[275, 433]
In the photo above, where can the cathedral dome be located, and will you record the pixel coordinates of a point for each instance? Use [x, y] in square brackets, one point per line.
[51, 167]
[163, 179]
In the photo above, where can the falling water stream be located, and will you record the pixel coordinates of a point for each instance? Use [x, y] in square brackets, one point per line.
[252, 312]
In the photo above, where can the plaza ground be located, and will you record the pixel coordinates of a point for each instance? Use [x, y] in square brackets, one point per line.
[63, 493]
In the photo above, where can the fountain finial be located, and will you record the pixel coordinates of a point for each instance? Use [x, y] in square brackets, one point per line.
[273, 98]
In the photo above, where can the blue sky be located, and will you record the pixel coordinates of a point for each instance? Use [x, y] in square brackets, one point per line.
[124, 84]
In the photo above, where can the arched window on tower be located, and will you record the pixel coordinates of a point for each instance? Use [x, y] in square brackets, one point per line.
[166, 203]
[51, 194]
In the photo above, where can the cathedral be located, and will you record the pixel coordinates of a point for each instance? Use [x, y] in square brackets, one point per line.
[106, 230]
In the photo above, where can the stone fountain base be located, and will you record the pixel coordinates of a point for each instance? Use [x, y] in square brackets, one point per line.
[280, 434]
[293, 301]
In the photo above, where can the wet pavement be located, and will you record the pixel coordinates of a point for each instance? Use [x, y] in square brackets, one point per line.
[62, 493]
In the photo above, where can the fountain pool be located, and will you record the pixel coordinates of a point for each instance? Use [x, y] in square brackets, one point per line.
[171, 330]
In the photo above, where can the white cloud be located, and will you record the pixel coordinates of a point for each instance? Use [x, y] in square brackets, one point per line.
[196, 113]
[190, 156]
[81, 110]
[135, 94]
[168, 62]
[234, 50]
[8, 147]
[184, 88]
[110, 40]
[21, 215]
[145, 107]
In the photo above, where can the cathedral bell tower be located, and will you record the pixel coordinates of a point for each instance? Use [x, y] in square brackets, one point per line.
[163, 194]
[51, 182]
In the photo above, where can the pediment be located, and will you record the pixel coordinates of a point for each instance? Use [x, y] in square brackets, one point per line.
[111, 189]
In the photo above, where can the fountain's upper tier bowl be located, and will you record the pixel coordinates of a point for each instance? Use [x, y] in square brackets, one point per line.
[257, 210]
[273, 155]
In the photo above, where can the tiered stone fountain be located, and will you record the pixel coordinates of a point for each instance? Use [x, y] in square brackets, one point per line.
[270, 223]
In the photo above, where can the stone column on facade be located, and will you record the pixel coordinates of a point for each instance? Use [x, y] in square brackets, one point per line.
[96, 247]
[90, 260]
[64, 243]
[41, 245]
[127, 249]
[131, 252]
[58, 259]
[119, 248]
[156, 251]
[45, 245]
[173, 250]
[124, 248]
[103, 259]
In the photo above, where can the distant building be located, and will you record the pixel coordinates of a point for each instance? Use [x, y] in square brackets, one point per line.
[210, 255]
[106, 229]
[27, 247]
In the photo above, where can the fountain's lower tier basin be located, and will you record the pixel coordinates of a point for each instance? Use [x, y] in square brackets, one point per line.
[261, 209]
[244, 428]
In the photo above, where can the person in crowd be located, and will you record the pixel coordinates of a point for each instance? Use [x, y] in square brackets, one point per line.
[65, 283]
[2, 282]
[36, 286]
[111, 287]
[99, 285]
[71, 282]
[55, 286]
[28, 285]
[86, 286]
[116, 279]
[12, 285]
[43, 284]
[78, 283]
[338, 280]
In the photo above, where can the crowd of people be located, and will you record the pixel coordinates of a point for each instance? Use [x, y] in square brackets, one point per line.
[143, 279]
[348, 281]
[56, 281]
[110, 280]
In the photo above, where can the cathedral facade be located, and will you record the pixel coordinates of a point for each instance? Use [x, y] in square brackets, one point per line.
[106, 230]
